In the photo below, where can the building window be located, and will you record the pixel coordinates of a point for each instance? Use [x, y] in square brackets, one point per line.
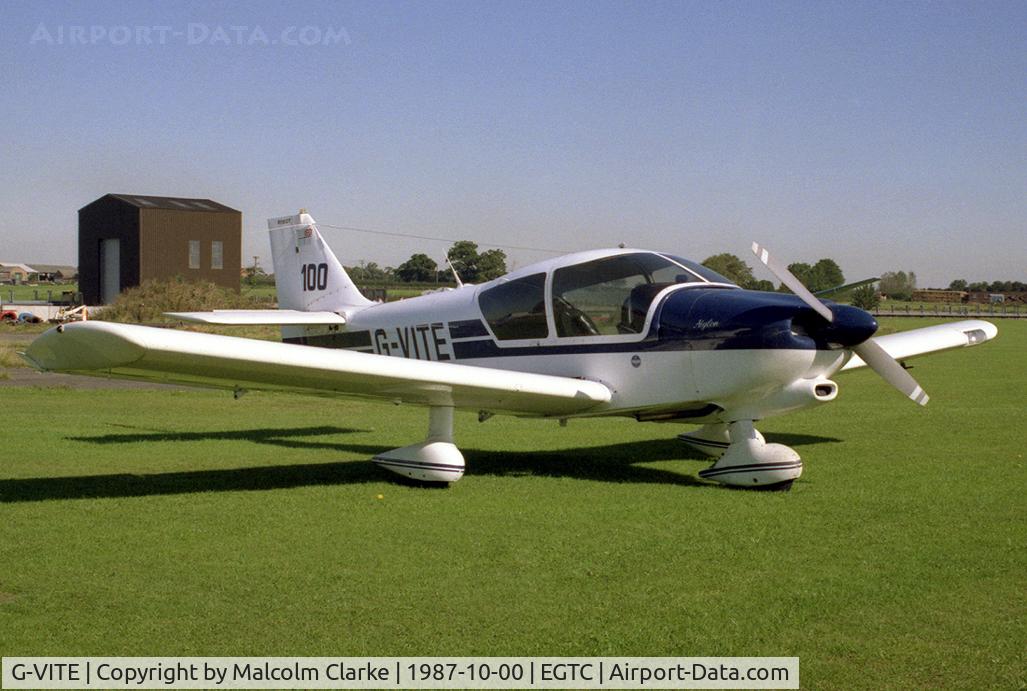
[194, 254]
[217, 252]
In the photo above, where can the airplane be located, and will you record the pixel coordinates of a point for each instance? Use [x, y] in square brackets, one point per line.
[611, 332]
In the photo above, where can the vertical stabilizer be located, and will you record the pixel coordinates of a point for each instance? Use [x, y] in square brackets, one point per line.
[308, 275]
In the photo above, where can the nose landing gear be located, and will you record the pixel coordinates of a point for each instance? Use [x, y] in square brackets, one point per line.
[744, 458]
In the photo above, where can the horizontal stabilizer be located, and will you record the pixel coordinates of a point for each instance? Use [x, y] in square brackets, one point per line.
[252, 317]
[931, 339]
[838, 290]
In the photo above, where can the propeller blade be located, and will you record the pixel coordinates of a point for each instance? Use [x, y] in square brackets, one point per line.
[786, 277]
[878, 359]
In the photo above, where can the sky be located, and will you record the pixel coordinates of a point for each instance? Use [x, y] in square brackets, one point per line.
[888, 136]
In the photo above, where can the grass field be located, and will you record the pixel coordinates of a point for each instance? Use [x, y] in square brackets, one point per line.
[189, 523]
[33, 291]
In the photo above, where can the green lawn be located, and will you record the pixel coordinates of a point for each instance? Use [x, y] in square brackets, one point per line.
[189, 523]
[32, 291]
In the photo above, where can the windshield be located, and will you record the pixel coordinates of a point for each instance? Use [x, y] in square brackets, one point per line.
[612, 295]
[708, 274]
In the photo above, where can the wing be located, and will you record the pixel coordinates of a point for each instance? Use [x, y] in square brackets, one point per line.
[251, 317]
[142, 352]
[837, 290]
[931, 339]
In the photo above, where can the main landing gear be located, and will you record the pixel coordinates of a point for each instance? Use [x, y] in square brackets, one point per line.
[744, 458]
[436, 459]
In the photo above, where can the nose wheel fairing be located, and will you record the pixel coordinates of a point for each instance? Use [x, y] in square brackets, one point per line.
[744, 458]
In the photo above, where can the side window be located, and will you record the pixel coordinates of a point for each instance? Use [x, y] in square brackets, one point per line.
[516, 309]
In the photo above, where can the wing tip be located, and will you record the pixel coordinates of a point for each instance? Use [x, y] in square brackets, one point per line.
[28, 360]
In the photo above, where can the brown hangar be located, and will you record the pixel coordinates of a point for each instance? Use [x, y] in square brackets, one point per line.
[125, 239]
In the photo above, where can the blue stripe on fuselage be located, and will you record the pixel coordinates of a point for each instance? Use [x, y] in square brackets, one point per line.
[691, 319]
[468, 328]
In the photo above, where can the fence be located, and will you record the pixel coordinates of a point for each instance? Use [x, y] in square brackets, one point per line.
[939, 309]
[42, 297]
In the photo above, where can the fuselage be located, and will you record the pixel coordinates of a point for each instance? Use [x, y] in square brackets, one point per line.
[671, 339]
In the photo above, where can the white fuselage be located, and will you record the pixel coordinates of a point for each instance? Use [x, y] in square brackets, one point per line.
[647, 378]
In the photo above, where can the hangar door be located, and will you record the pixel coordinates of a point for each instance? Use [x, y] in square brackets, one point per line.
[110, 270]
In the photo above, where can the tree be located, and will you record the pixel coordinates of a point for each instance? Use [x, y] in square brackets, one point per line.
[803, 272]
[368, 272]
[420, 268]
[826, 274]
[866, 298]
[491, 264]
[958, 284]
[823, 275]
[898, 285]
[764, 285]
[473, 267]
[256, 276]
[732, 268]
[978, 287]
[464, 257]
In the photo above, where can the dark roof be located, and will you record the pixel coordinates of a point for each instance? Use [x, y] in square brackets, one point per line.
[144, 201]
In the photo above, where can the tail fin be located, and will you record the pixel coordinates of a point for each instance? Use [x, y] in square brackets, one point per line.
[308, 275]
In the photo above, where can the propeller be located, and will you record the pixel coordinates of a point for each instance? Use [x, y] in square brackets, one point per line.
[876, 357]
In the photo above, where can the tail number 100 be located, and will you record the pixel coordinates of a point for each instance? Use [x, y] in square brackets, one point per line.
[315, 276]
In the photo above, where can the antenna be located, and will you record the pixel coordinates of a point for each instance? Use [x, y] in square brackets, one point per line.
[459, 283]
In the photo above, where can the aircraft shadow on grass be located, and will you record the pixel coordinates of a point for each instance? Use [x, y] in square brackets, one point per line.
[622, 462]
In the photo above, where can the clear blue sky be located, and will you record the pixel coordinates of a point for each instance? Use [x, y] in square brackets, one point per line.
[885, 135]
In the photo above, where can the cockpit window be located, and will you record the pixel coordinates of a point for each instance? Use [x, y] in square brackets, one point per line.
[709, 274]
[612, 295]
[516, 309]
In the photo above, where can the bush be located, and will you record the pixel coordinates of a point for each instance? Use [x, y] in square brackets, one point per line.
[866, 298]
[149, 301]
